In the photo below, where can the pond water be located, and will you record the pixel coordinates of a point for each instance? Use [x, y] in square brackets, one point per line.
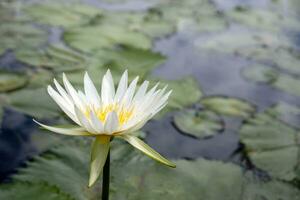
[243, 57]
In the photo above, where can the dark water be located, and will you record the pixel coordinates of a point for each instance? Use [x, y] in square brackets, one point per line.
[217, 75]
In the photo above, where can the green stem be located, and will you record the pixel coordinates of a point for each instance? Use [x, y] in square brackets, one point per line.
[105, 180]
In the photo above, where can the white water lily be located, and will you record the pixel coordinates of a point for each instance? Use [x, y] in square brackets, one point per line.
[115, 113]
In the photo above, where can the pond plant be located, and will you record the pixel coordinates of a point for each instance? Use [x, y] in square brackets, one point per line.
[116, 113]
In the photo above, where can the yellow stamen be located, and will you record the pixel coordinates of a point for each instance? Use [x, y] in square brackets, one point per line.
[123, 114]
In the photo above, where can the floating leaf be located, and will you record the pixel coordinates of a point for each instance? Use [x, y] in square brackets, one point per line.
[271, 145]
[66, 170]
[271, 190]
[11, 81]
[260, 73]
[263, 19]
[282, 58]
[34, 102]
[21, 191]
[233, 41]
[287, 113]
[185, 92]
[65, 15]
[198, 123]
[16, 35]
[93, 38]
[228, 106]
[149, 23]
[275, 78]
[56, 57]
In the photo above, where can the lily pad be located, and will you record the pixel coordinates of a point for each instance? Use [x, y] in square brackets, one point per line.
[233, 41]
[65, 15]
[149, 23]
[283, 58]
[285, 112]
[92, 38]
[34, 102]
[56, 57]
[275, 78]
[11, 81]
[185, 92]
[145, 179]
[260, 73]
[228, 106]
[264, 19]
[198, 123]
[16, 35]
[272, 146]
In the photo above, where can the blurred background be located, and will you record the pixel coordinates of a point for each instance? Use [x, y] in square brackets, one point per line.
[232, 122]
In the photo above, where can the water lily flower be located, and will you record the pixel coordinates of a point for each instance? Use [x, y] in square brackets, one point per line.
[112, 113]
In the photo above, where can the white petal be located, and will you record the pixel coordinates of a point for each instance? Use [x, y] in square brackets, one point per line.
[141, 92]
[130, 92]
[72, 92]
[63, 93]
[107, 88]
[84, 121]
[67, 108]
[111, 123]
[96, 123]
[122, 87]
[91, 91]
[65, 131]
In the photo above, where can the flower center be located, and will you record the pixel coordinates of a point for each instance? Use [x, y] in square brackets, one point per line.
[123, 114]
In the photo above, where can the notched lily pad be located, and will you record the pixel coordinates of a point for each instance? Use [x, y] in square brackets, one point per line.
[58, 14]
[18, 35]
[92, 38]
[228, 106]
[271, 145]
[200, 123]
[185, 92]
[56, 57]
[260, 73]
[11, 81]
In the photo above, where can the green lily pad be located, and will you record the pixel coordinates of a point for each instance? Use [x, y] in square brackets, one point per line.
[271, 145]
[233, 41]
[283, 58]
[269, 190]
[191, 15]
[138, 62]
[264, 19]
[275, 78]
[56, 57]
[16, 35]
[64, 15]
[198, 123]
[67, 164]
[185, 92]
[11, 81]
[228, 106]
[260, 73]
[92, 38]
[34, 102]
[150, 23]
[20, 191]
[287, 113]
